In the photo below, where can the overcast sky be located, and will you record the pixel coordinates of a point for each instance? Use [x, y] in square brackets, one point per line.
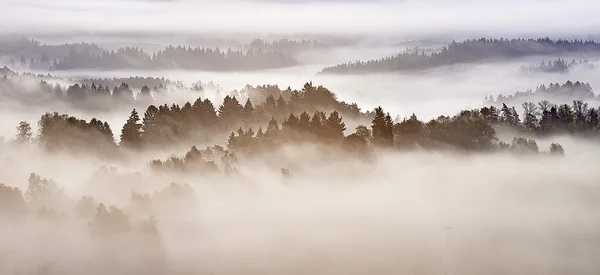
[426, 17]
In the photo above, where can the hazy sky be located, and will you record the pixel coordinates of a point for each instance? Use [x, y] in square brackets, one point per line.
[509, 17]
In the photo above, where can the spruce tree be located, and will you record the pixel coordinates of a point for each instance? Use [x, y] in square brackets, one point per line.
[131, 134]
[382, 128]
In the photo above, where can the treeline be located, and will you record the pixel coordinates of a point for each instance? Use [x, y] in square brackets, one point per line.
[311, 115]
[29, 89]
[29, 53]
[556, 66]
[198, 121]
[566, 92]
[545, 118]
[258, 54]
[134, 82]
[176, 58]
[469, 51]
[469, 131]
[100, 94]
[286, 45]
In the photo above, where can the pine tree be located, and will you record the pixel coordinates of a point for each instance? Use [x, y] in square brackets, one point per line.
[334, 127]
[382, 128]
[131, 134]
[248, 111]
[230, 111]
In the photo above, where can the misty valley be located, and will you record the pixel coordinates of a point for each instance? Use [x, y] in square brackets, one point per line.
[266, 147]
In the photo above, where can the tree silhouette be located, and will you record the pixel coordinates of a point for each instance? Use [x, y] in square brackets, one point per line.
[23, 132]
[383, 128]
[131, 134]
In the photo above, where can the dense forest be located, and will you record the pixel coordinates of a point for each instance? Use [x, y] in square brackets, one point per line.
[31, 54]
[556, 66]
[134, 82]
[311, 115]
[176, 58]
[563, 93]
[468, 51]
[269, 120]
[288, 46]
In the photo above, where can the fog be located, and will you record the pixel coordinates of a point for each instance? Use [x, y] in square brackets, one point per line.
[506, 215]
[223, 186]
[405, 18]
[427, 94]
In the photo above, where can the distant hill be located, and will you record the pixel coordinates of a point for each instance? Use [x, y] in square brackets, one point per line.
[469, 51]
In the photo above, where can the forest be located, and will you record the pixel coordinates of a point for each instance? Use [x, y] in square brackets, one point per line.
[464, 52]
[257, 55]
[270, 118]
[566, 92]
[269, 137]
[557, 66]
[179, 57]
[221, 137]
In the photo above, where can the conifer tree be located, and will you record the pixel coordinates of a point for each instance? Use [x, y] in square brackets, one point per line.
[131, 134]
[383, 128]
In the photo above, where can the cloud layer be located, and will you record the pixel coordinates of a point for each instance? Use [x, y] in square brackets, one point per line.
[339, 17]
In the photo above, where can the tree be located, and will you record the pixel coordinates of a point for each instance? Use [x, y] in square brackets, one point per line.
[24, 132]
[566, 116]
[272, 128]
[334, 127]
[145, 93]
[556, 149]
[230, 112]
[383, 128]
[363, 132]
[123, 92]
[530, 112]
[524, 145]
[42, 192]
[282, 107]
[592, 119]
[11, 201]
[248, 111]
[409, 132]
[131, 134]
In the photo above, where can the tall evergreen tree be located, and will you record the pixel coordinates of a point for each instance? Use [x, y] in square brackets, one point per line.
[334, 127]
[131, 134]
[382, 128]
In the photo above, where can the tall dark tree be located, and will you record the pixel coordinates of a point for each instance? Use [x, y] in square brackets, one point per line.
[530, 114]
[230, 112]
[131, 134]
[382, 128]
[248, 111]
[334, 127]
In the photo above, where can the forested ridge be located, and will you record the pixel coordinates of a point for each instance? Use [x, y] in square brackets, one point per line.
[311, 115]
[563, 93]
[468, 51]
[176, 58]
[259, 54]
[557, 66]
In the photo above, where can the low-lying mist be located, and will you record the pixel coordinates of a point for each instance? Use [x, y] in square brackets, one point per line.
[427, 94]
[218, 172]
[412, 212]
